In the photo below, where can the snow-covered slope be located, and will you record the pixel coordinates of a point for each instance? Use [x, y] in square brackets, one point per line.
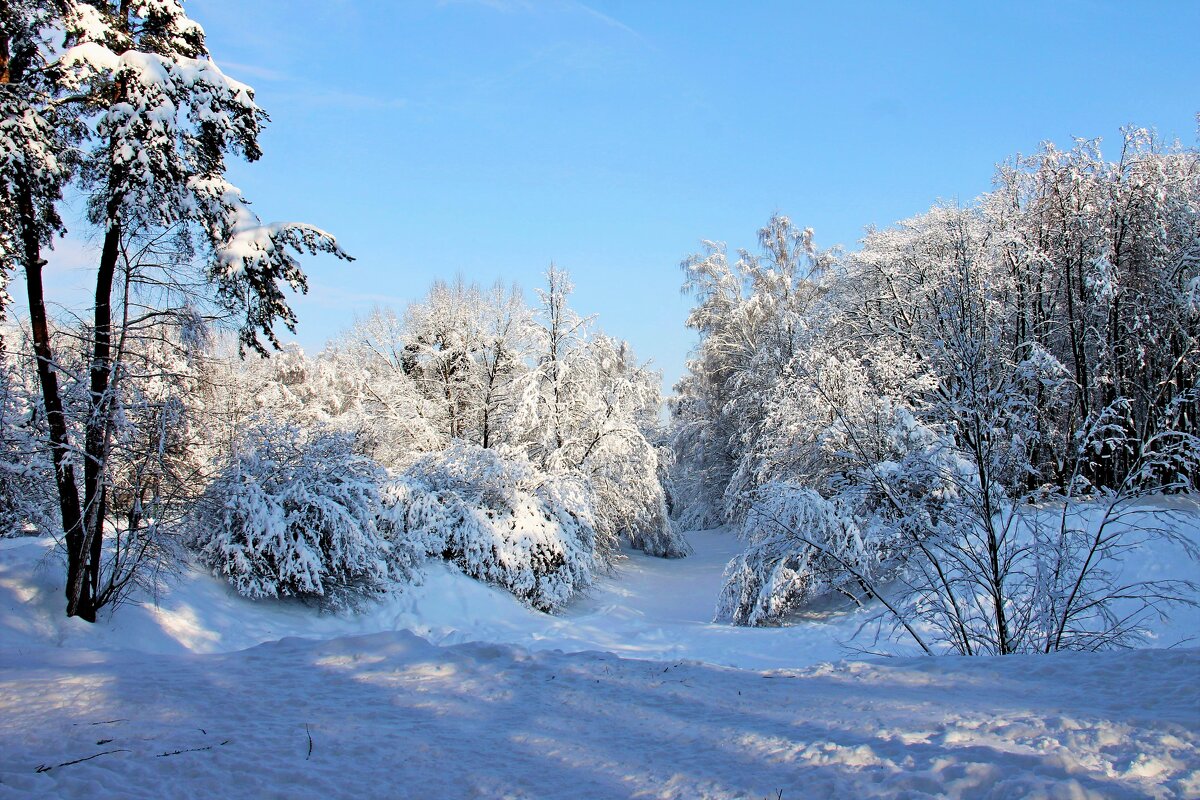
[453, 689]
[648, 608]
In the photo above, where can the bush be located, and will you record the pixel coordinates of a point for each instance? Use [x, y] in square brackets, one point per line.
[295, 513]
[800, 545]
[803, 546]
[500, 520]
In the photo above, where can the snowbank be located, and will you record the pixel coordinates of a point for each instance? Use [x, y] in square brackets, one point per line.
[647, 608]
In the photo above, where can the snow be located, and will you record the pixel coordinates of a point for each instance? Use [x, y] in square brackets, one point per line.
[649, 608]
[455, 689]
[392, 715]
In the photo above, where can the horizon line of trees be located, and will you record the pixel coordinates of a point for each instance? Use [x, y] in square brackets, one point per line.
[318, 476]
[905, 414]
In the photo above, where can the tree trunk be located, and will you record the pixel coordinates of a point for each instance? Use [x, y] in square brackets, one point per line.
[80, 592]
[95, 495]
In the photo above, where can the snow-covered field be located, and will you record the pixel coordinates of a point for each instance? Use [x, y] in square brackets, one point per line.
[455, 690]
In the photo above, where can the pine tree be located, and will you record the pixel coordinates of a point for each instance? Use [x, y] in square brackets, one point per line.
[135, 91]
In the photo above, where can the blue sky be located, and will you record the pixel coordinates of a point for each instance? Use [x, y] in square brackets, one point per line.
[489, 137]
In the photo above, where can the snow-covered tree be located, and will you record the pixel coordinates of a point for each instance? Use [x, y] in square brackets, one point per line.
[524, 445]
[751, 316]
[949, 395]
[590, 409]
[381, 400]
[444, 335]
[152, 118]
[26, 487]
[450, 369]
[501, 363]
[555, 390]
[610, 442]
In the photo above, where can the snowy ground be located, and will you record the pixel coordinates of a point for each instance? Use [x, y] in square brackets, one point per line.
[203, 696]
[650, 608]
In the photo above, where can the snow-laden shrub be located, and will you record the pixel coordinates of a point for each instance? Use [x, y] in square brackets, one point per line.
[296, 513]
[500, 520]
[801, 547]
[630, 502]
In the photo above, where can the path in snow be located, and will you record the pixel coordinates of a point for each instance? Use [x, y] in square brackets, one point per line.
[663, 609]
[647, 608]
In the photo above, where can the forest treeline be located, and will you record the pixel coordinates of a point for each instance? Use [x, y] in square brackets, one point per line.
[519, 443]
[926, 409]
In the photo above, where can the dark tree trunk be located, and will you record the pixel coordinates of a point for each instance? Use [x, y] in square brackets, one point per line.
[80, 591]
[99, 408]
[84, 583]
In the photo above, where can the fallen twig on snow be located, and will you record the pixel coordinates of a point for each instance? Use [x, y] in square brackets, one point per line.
[192, 749]
[44, 768]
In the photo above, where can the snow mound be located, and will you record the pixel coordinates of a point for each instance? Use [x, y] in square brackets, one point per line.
[646, 608]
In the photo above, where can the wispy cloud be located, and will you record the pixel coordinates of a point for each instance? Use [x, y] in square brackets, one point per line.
[506, 6]
[236, 69]
[336, 98]
[600, 16]
[567, 6]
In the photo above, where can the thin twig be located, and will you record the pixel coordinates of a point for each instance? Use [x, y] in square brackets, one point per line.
[192, 749]
[44, 768]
